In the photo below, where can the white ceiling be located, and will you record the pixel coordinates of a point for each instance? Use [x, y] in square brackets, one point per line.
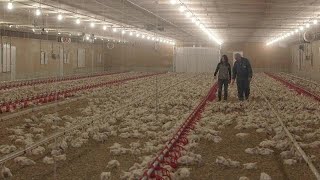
[230, 20]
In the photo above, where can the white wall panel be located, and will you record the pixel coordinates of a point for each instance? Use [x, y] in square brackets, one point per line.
[13, 63]
[190, 59]
[8, 60]
[81, 58]
[61, 55]
[8, 54]
[5, 57]
[1, 57]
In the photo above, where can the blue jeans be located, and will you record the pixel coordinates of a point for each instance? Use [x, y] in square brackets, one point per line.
[243, 89]
[223, 83]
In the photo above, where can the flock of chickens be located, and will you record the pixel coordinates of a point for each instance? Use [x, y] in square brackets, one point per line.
[144, 113]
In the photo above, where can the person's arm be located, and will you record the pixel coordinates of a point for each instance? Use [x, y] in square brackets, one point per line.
[229, 69]
[249, 70]
[217, 69]
[234, 71]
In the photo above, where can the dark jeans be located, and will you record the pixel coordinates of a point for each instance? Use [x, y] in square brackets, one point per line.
[243, 89]
[225, 84]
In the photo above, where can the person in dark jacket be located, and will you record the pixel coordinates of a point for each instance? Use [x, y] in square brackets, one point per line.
[242, 71]
[224, 76]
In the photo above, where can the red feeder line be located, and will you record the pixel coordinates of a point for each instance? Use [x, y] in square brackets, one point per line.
[172, 151]
[54, 96]
[295, 87]
[46, 81]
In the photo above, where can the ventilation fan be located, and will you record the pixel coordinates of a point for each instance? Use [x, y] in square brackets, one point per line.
[309, 36]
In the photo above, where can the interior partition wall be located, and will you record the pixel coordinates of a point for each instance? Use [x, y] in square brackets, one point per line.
[196, 59]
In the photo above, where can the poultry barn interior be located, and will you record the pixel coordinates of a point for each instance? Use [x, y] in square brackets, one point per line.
[130, 90]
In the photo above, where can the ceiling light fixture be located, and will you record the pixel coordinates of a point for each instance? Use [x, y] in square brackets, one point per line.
[182, 8]
[38, 12]
[188, 14]
[10, 5]
[315, 21]
[300, 28]
[61, 12]
[173, 1]
[307, 25]
[60, 17]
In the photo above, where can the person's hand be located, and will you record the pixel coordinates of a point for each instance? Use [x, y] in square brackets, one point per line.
[232, 81]
[229, 81]
[249, 79]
